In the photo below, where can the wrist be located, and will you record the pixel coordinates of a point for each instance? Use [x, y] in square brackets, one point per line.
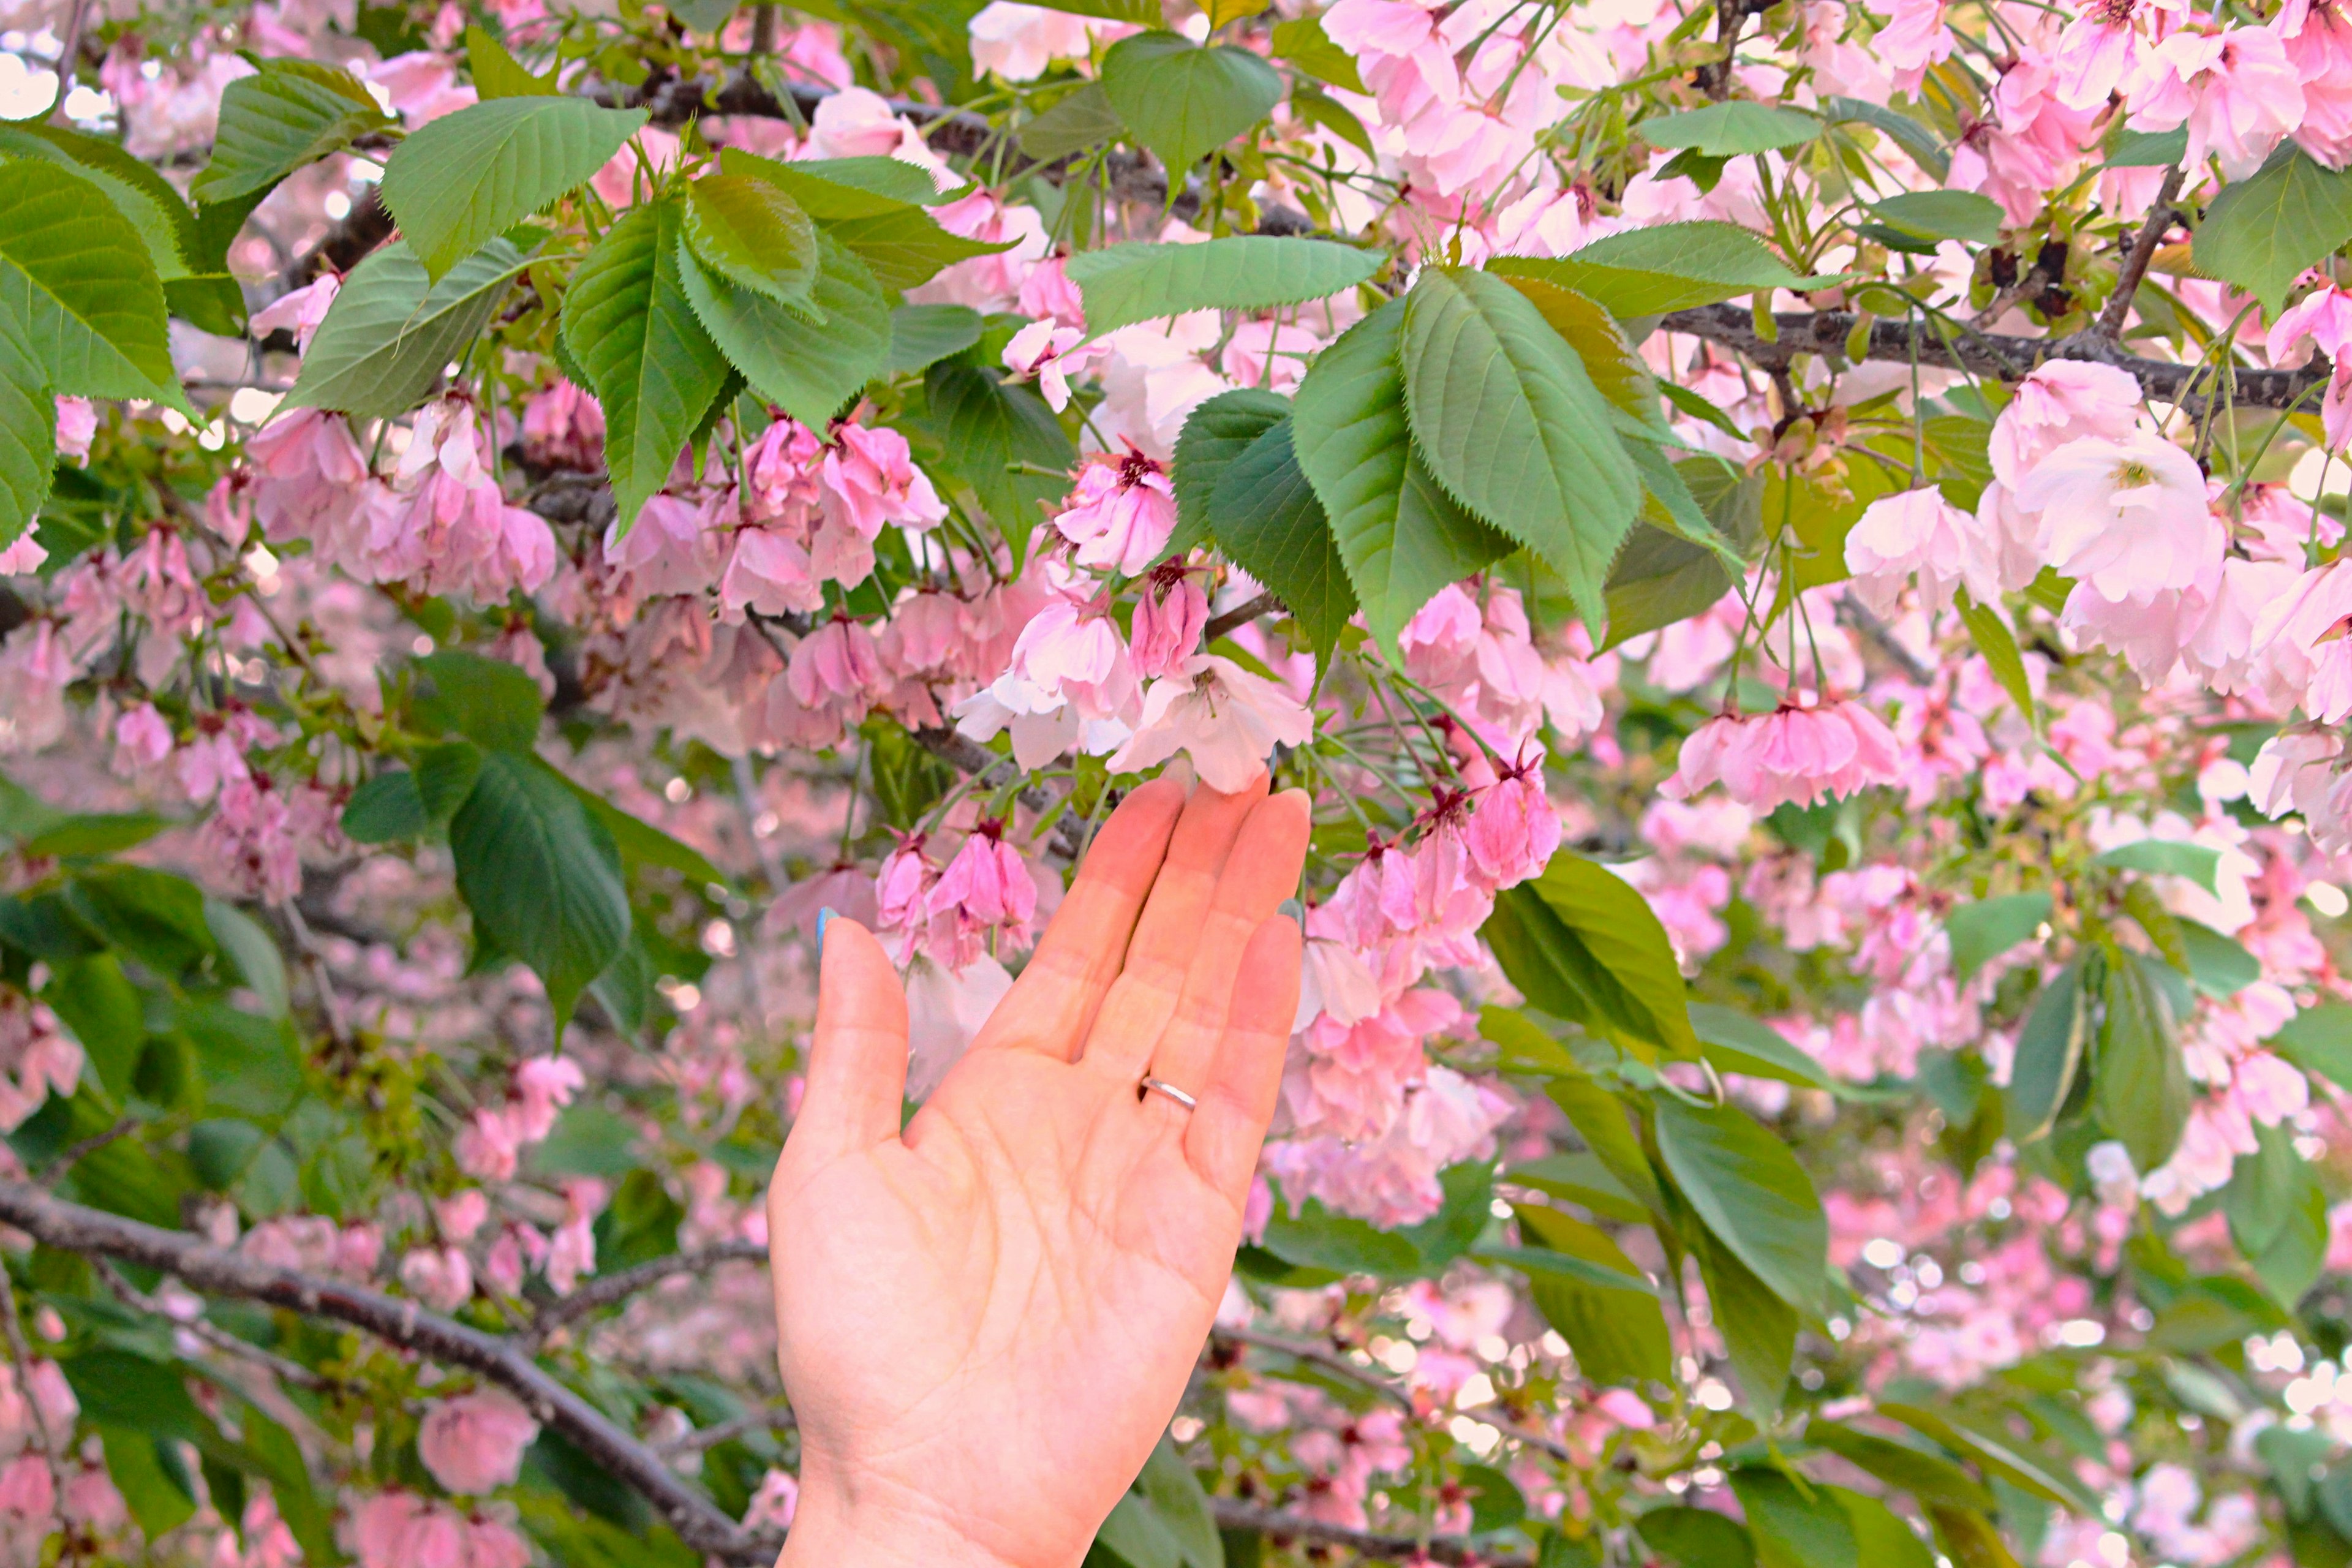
[871, 1523]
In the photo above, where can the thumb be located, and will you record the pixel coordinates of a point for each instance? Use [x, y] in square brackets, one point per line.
[857, 1056]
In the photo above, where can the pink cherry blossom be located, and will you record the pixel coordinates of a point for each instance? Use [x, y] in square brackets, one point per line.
[475, 1443]
[2235, 89]
[986, 888]
[2321, 320]
[1169, 619]
[1795, 753]
[1120, 512]
[1219, 714]
[1918, 531]
[1050, 354]
[297, 311]
[2126, 517]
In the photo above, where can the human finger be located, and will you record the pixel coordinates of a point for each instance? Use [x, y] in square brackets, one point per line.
[1236, 1099]
[1049, 1006]
[1259, 872]
[1169, 935]
[857, 1052]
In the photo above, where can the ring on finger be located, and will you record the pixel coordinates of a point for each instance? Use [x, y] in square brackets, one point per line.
[1162, 1085]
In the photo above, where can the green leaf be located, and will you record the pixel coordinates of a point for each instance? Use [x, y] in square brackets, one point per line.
[1603, 1122]
[1134, 1534]
[1183, 102]
[491, 702]
[2278, 1215]
[1983, 930]
[1790, 1528]
[385, 810]
[541, 875]
[155, 1495]
[1303, 45]
[1999, 644]
[1737, 1043]
[1321, 1239]
[28, 434]
[1141, 280]
[640, 842]
[1729, 129]
[1996, 1454]
[1215, 433]
[1695, 1538]
[253, 952]
[2219, 966]
[1942, 215]
[1616, 1338]
[2137, 1080]
[458, 181]
[1618, 373]
[1752, 1195]
[922, 335]
[2319, 1041]
[2200, 863]
[1881, 1538]
[628, 324]
[1079, 122]
[750, 233]
[1514, 428]
[444, 778]
[391, 331]
[288, 113]
[1919, 140]
[2049, 1054]
[991, 435]
[1582, 943]
[2264, 232]
[497, 74]
[1312, 106]
[1758, 1329]
[1401, 537]
[1139, 13]
[808, 370]
[1928, 1476]
[1169, 1485]
[102, 1010]
[145, 199]
[1264, 516]
[832, 189]
[80, 289]
[1666, 267]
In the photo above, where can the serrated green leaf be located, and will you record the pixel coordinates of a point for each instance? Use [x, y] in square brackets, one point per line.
[1184, 102]
[1999, 644]
[1139, 13]
[254, 952]
[1882, 1538]
[288, 113]
[1666, 267]
[1983, 928]
[392, 331]
[808, 370]
[1737, 1043]
[1942, 215]
[2264, 232]
[1141, 280]
[1078, 122]
[1753, 1196]
[142, 195]
[497, 74]
[2050, 1048]
[28, 434]
[922, 335]
[1997, 1455]
[1758, 1329]
[1617, 1339]
[1691, 1537]
[2200, 863]
[460, 180]
[906, 247]
[1928, 1476]
[77, 280]
[1730, 130]
[1302, 44]
[1401, 537]
[2137, 1080]
[629, 324]
[488, 701]
[444, 778]
[1582, 943]
[1216, 432]
[385, 810]
[541, 875]
[1919, 140]
[831, 189]
[1266, 518]
[749, 232]
[993, 436]
[1793, 1527]
[1512, 428]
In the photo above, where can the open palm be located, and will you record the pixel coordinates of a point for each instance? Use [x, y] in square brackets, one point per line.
[985, 1324]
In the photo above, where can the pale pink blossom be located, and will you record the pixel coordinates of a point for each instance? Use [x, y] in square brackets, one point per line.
[76, 428]
[475, 1443]
[1050, 354]
[2235, 89]
[1918, 531]
[297, 311]
[1120, 513]
[1793, 754]
[1227, 719]
[2126, 517]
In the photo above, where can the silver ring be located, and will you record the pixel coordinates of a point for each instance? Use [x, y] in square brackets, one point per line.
[1162, 1085]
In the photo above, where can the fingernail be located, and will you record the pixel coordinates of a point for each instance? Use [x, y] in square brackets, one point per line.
[824, 917]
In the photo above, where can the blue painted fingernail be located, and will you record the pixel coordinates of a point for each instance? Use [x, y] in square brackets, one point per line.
[824, 917]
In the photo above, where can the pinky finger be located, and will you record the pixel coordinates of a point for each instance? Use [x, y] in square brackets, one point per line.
[1245, 1077]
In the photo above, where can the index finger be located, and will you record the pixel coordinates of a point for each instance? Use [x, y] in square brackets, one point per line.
[1050, 1005]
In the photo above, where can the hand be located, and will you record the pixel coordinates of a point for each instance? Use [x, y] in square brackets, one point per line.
[985, 1324]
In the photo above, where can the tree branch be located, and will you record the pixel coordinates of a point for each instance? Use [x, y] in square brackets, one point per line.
[2142, 251]
[1824, 332]
[91, 1233]
[610, 1289]
[1241, 615]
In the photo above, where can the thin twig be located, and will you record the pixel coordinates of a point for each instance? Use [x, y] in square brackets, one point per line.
[612, 1289]
[2142, 251]
[220, 1339]
[72, 1154]
[1241, 614]
[744, 1426]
